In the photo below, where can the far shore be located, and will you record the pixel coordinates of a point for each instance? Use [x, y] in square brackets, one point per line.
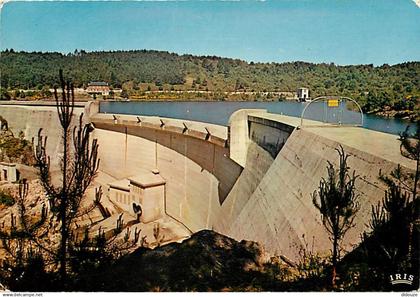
[403, 115]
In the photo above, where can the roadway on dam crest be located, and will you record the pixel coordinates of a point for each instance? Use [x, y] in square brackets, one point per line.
[383, 145]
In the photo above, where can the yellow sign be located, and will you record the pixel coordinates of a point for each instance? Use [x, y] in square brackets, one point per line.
[333, 103]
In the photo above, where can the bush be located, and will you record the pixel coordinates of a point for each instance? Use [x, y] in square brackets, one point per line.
[6, 199]
[4, 95]
[15, 149]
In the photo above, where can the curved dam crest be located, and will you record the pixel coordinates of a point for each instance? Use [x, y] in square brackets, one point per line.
[251, 180]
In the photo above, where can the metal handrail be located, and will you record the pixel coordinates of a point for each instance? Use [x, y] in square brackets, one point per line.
[331, 97]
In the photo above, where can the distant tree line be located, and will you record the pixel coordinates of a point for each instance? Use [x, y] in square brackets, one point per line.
[396, 86]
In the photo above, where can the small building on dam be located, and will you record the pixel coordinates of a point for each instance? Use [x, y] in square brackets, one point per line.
[146, 190]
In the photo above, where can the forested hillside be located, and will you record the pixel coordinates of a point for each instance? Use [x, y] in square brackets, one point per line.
[397, 86]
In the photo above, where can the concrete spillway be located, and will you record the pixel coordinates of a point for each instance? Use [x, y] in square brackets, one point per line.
[252, 180]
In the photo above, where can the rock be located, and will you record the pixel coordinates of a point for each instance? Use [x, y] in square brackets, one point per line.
[205, 261]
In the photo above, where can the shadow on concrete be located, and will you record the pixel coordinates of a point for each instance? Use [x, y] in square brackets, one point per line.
[209, 156]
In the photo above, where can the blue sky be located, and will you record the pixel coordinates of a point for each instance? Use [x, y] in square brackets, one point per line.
[341, 31]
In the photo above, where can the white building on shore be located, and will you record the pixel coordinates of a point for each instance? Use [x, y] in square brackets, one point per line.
[303, 94]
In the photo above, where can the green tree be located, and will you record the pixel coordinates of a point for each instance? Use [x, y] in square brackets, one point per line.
[390, 226]
[124, 94]
[46, 93]
[4, 94]
[410, 148]
[78, 168]
[392, 243]
[373, 87]
[338, 204]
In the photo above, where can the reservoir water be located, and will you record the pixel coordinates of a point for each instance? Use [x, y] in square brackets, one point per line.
[219, 112]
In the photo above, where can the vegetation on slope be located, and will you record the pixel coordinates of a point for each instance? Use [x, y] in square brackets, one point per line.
[15, 149]
[394, 87]
[208, 261]
[6, 199]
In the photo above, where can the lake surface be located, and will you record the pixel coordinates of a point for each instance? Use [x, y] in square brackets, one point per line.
[219, 112]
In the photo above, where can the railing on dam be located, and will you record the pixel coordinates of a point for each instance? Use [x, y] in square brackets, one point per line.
[332, 110]
[208, 132]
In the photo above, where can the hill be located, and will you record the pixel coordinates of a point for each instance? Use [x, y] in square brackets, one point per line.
[396, 86]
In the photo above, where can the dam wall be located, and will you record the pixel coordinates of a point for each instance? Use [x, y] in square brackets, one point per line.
[192, 157]
[280, 212]
[268, 134]
[252, 180]
[199, 173]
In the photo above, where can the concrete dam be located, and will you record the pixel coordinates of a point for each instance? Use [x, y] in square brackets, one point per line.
[251, 180]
